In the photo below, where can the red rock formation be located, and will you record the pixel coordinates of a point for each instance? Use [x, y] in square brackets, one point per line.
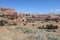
[8, 12]
[12, 14]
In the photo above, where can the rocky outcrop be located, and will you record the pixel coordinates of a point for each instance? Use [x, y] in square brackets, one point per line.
[8, 15]
[6, 12]
[12, 16]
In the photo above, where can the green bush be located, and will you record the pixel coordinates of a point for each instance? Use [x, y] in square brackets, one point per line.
[48, 27]
[3, 22]
[1, 15]
[51, 27]
[33, 25]
[14, 24]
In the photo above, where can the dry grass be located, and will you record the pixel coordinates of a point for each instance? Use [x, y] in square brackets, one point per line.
[27, 33]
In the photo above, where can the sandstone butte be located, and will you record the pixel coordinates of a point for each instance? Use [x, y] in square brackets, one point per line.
[22, 19]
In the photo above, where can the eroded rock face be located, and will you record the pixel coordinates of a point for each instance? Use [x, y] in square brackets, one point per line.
[8, 12]
[12, 16]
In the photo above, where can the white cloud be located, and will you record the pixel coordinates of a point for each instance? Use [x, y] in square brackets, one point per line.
[57, 10]
[52, 10]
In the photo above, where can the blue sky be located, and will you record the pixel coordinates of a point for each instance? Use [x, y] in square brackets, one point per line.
[32, 6]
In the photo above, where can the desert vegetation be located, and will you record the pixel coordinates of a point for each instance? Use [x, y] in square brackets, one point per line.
[3, 22]
[27, 33]
[48, 27]
[27, 26]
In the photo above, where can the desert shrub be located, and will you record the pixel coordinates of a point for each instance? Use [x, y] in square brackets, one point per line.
[23, 20]
[24, 24]
[48, 27]
[28, 30]
[2, 22]
[11, 17]
[1, 15]
[42, 35]
[28, 20]
[51, 27]
[33, 25]
[14, 24]
[50, 30]
[52, 36]
[56, 21]
[42, 22]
